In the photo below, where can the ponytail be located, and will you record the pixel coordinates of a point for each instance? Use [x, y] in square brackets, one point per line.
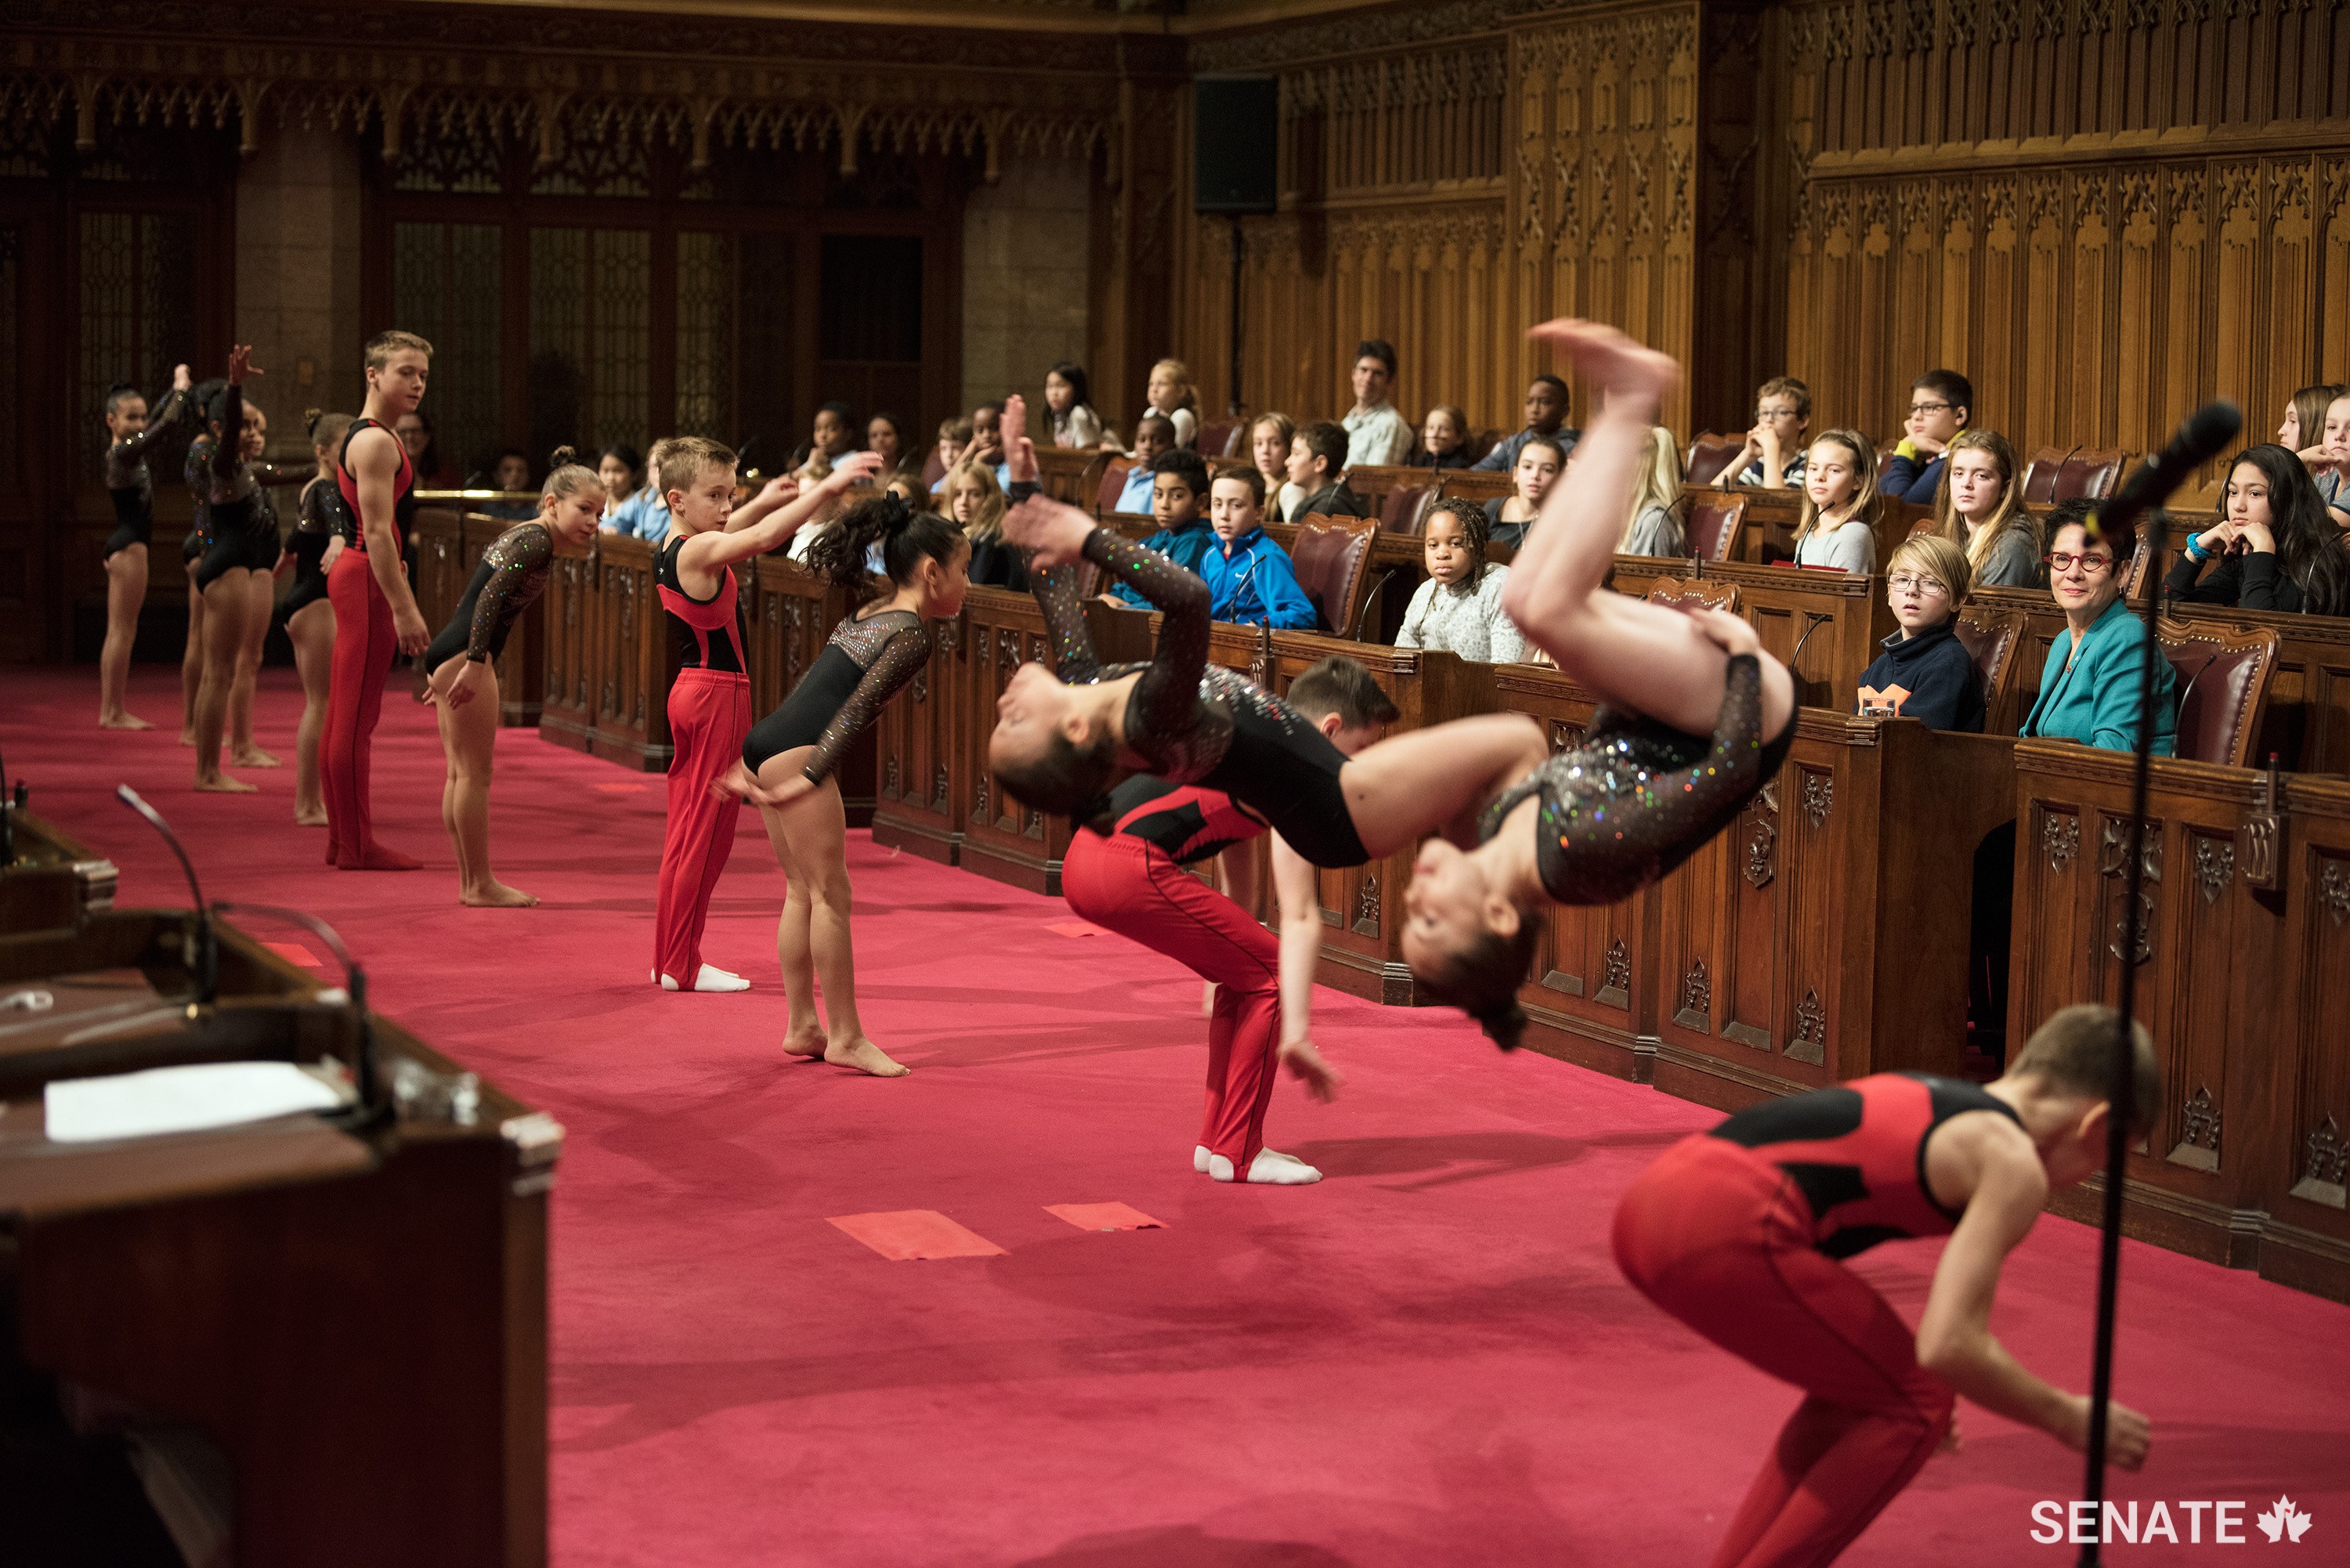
[906, 538]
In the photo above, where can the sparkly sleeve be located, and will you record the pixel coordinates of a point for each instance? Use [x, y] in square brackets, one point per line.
[282, 473]
[518, 561]
[1064, 617]
[1715, 785]
[893, 666]
[1166, 701]
[323, 512]
[223, 453]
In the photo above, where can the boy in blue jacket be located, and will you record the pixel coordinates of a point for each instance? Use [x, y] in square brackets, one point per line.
[1250, 579]
[1179, 483]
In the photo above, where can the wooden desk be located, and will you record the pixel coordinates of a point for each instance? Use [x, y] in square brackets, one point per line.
[2242, 988]
[358, 1319]
[52, 880]
[1823, 625]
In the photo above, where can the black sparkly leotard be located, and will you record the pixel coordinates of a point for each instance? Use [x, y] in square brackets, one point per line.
[1195, 723]
[234, 516]
[511, 575]
[320, 519]
[129, 482]
[862, 666]
[1637, 797]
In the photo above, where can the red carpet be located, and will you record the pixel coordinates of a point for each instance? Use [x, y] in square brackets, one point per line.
[1427, 1359]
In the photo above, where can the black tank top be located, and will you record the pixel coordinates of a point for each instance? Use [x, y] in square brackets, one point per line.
[693, 622]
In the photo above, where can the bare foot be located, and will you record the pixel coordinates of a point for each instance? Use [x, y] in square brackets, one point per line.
[866, 1058]
[187, 737]
[309, 816]
[496, 896]
[809, 1043]
[253, 757]
[123, 721]
[221, 784]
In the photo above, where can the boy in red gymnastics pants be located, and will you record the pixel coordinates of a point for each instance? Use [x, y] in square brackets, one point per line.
[1739, 1232]
[374, 610]
[1133, 881]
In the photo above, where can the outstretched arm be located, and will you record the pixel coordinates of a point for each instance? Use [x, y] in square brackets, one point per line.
[1954, 1337]
[1297, 887]
[1406, 786]
[782, 507]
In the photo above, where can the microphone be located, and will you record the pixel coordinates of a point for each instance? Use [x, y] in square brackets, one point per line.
[372, 1105]
[2201, 437]
[205, 960]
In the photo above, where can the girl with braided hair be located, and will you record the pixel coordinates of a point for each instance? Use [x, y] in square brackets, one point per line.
[789, 758]
[1458, 609]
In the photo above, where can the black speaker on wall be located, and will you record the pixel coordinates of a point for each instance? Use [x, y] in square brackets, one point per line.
[1236, 131]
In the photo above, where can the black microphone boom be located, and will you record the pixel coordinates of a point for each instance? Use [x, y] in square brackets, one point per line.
[205, 960]
[372, 1103]
[2205, 434]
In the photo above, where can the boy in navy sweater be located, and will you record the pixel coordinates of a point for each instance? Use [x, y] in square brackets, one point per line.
[1925, 673]
[1250, 579]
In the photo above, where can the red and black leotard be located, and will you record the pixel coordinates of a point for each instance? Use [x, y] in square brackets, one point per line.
[1858, 1153]
[695, 625]
[1186, 822]
[404, 486]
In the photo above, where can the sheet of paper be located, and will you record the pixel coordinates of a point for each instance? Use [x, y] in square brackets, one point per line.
[180, 1099]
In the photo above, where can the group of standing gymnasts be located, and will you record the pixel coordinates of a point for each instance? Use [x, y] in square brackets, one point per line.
[1741, 1232]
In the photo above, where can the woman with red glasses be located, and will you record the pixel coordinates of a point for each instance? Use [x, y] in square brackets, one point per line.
[2089, 689]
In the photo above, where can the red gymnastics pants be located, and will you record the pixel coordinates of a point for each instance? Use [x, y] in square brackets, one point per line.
[1721, 1239]
[709, 719]
[364, 645]
[1138, 891]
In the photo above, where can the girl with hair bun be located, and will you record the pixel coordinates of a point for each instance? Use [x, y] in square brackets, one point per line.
[462, 682]
[789, 758]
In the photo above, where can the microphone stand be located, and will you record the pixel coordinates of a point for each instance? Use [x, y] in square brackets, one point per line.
[374, 1105]
[206, 961]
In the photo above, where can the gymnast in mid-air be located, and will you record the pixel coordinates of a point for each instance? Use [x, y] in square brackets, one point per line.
[1697, 719]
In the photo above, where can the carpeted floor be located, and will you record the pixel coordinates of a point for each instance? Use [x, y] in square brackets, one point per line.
[1427, 1359]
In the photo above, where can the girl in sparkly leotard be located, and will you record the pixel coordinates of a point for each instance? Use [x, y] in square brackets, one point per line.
[132, 488]
[323, 529]
[1702, 720]
[788, 760]
[463, 684]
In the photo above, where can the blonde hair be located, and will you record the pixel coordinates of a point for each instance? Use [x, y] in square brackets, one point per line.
[1937, 557]
[1660, 483]
[682, 460]
[2009, 514]
[988, 520]
[566, 476]
[1281, 423]
[1183, 375]
[1865, 502]
[384, 345]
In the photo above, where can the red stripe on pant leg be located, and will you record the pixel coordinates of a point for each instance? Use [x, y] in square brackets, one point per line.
[364, 644]
[1130, 887]
[709, 715]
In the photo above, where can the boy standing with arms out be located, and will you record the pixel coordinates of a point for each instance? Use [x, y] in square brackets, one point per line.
[1741, 1233]
[375, 612]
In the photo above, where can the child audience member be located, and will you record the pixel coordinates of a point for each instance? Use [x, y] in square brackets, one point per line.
[1772, 457]
[1458, 609]
[954, 439]
[1443, 439]
[1652, 525]
[633, 503]
[1169, 394]
[1541, 460]
[1069, 398]
[1269, 440]
[1979, 507]
[1179, 483]
[1840, 505]
[1546, 419]
[2277, 550]
[1941, 404]
[1153, 436]
[1318, 459]
[885, 438]
[1925, 673]
[977, 507]
[832, 438]
[1250, 579]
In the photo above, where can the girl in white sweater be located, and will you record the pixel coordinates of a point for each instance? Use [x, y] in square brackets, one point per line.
[1459, 609]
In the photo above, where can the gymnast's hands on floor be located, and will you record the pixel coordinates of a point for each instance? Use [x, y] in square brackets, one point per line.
[1304, 1063]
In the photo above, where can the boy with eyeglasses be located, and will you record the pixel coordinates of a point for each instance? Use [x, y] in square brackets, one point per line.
[1941, 404]
[1925, 673]
[1772, 457]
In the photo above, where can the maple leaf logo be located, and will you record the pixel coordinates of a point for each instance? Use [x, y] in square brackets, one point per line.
[2283, 1520]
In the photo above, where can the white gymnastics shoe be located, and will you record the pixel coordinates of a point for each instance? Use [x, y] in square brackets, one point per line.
[710, 979]
[1269, 1168]
[1199, 1157]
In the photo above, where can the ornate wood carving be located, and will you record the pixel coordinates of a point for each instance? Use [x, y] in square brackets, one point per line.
[1811, 1041]
[2060, 840]
[942, 788]
[2215, 866]
[1819, 797]
[1616, 970]
[1697, 999]
[2325, 1160]
[1366, 907]
[2333, 890]
[2198, 1144]
[889, 777]
[1761, 838]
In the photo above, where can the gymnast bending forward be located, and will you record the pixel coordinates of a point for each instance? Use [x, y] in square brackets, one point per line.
[463, 684]
[791, 754]
[1699, 719]
[1741, 1233]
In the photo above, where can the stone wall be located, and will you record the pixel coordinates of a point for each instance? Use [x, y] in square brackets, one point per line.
[1024, 254]
[297, 278]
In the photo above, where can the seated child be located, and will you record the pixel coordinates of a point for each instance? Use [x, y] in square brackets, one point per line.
[1154, 435]
[1925, 673]
[1179, 483]
[1250, 579]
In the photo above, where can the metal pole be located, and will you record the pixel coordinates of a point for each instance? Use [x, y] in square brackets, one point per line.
[1233, 405]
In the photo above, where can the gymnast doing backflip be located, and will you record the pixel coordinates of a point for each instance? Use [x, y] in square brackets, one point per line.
[236, 573]
[1699, 719]
[130, 431]
[1741, 1233]
[462, 683]
[789, 758]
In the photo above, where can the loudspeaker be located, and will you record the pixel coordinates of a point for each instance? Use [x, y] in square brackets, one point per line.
[1236, 134]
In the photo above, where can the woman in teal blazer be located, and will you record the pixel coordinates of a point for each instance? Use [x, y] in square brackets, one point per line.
[2089, 690]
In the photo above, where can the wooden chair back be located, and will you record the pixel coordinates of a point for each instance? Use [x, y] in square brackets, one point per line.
[2040, 475]
[1990, 637]
[1714, 520]
[2223, 677]
[1708, 456]
[1111, 482]
[1332, 558]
